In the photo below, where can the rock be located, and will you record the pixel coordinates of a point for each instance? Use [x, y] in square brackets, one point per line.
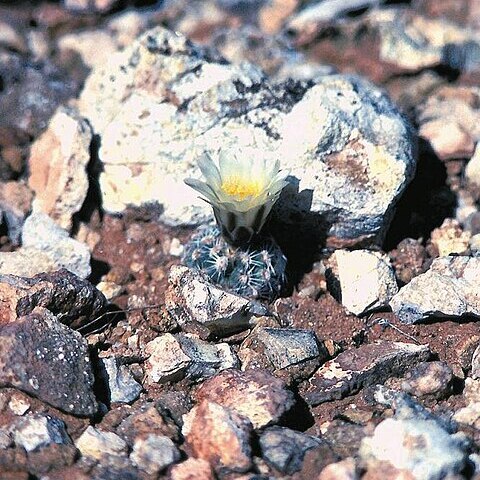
[367, 281]
[414, 441]
[154, 453]
[253, 394]
[360, 367]
[74, 301]
[450, 238]
[433, 378]
[49, 361]
[342, 121]
[122, 387]
[343, 470]
[15, 202]
[26, 262]
[408, 259]
[18, 404]
[470, 414]
[448, 289]
[58, 167]
[90, 6]
[472, 170]
[220, 436]
[110, 289]
[174, 357]
[284, 449]
[41, 232]
[449, 120]
[192, 469]
[192, 298]
[475, 364]
[289, 353]
[31, 92]
[35, 431]
[96, 444]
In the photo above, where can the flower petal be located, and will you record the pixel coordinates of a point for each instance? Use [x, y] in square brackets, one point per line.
[202, 188]
[209, 170]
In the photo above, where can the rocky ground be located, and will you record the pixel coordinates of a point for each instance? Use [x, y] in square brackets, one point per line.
[118, 362]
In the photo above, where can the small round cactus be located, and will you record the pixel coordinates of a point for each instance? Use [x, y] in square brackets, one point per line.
[257, 271]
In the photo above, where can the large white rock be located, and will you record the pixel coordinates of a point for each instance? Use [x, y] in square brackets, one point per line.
[367, 280]
[162, 102]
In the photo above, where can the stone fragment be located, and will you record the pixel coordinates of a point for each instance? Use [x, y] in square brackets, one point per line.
[408, 259]
[450, 238]
[220, 436]
[448, 289]
[192, 298]
[192, 469]
[95, 443]
[253, 394]
[449, 120]
[36, 431]
[31, 92]
[90, 6]
[26, 262]
[18, 404]
[41, 232]
[49, 361]
[74, 301]
[175, 357]
[58, 167]
[122, 387]
[316, 129]
[472, 170]
[343, 470]
[360, 367]
[470, 414]
[416, 442]
[475, 363]
[289, 353]
[432, 378]
[284, 448]
[367, 281]
[15, 202]
[154, 453]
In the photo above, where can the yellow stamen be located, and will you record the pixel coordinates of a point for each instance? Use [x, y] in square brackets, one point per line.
[241, 188]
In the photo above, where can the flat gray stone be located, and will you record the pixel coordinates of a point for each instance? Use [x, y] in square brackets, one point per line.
[122, 387]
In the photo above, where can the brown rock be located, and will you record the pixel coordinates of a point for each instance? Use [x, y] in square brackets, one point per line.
[408, 259]
[220, 436]
[49, 361]
[273, 14]
[192, 469]
[73, 300]
[16, 202]
[357, 368]
[433, 378]
[254, 394]
[344, 470]
[58, 162]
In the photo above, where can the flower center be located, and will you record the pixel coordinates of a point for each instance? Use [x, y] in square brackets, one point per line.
[241, 188]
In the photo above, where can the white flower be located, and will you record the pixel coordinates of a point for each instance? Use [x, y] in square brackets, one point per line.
[241, 190]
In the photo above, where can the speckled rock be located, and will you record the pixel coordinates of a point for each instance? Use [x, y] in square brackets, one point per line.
[58, 167]
[449, 120]
[416, 442]
[97, 444]
[192, 298]
[254, 394]
[122, 386]
[408, 259]
[220, 436]
[367, 281]
[154, 453]
[49, 361]
[41, 232]
[157, 89]
[192, 469]
[35, 431]
[450, 238]
[289, 353]
[172, 358]
[449, 289]
[432, 378]
[284, 448]
[74, 301]
[367, 365]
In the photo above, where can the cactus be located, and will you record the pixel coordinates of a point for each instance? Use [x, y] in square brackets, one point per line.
[257, 271]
